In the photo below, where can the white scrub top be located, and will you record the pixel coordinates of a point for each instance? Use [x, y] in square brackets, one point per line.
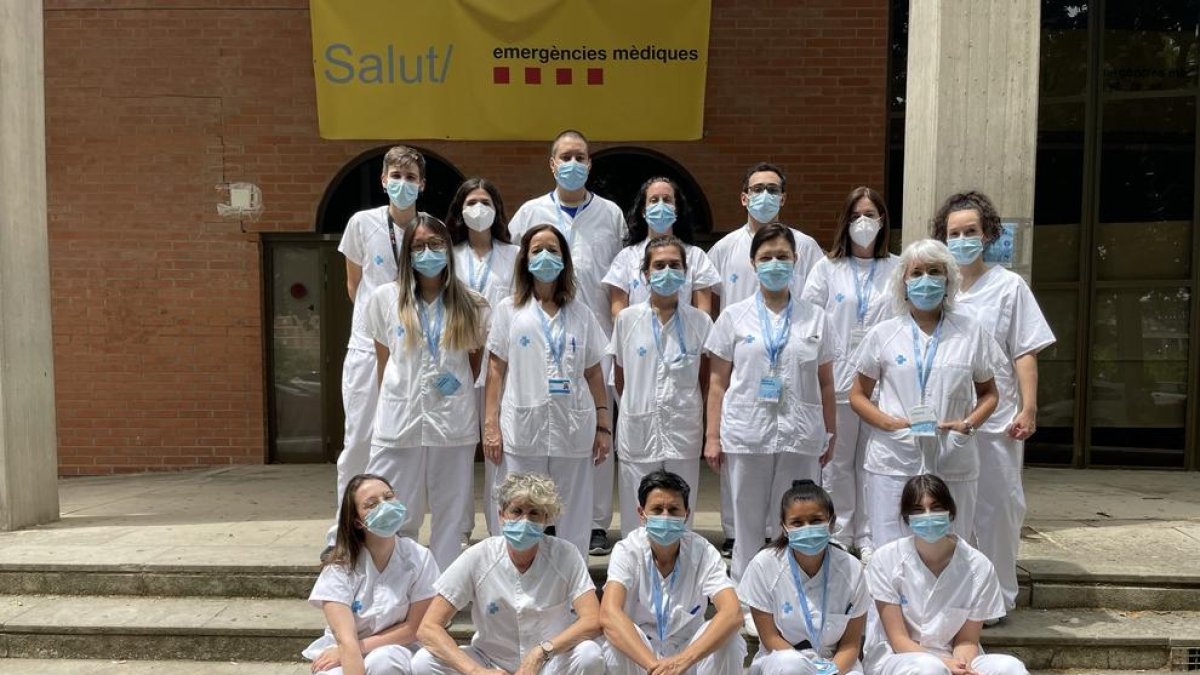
[626, 273]
[797, 422]
[412, 412]
[731, 257]
[490, 276]
[379, 599]
[1003, 303]
[699, 575]
[513, 613]
[842, 287]
[594, 236]
[965, 355]
[935, 608]
[534, 422]
[662, 411]
[768, 586]
[366, 243]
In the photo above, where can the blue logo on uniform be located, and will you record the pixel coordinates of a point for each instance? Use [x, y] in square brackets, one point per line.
[400, 331]
[641, 351]
[524, 340]
[493, 608]
[378, 260]
[787, 608]
[356, 607]
[839, 297]
[903, 600]
[636, 283]
[748, 339]
[900, 359]
[733, 278]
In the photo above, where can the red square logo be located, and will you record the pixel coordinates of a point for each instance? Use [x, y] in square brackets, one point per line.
[533, 76]
[500, 75]
[562, 75]
[595, 76]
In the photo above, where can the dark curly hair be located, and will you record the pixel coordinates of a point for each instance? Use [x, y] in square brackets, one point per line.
[639, 229]
[978, 202]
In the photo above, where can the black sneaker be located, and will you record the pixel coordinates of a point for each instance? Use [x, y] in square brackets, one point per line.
[599, 544]
[727, 548]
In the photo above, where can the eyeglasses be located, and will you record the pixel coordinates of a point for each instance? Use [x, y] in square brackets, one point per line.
[375, 501]
[769, 188]
[428, 244]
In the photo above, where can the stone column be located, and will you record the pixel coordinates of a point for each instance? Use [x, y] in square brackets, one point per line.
[971, 119]
[28, 443]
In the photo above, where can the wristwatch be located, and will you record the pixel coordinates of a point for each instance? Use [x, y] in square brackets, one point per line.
[547, 649]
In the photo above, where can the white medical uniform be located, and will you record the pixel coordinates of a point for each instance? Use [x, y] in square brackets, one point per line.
[368, 244]
[935, 608]
[491, 277]
[379, 600]
[965, 354]
[1003, 303]
[731, 256]
[543, 432]
[625, 274]
[856, 294]
[661, 425]
[514, 613]
[769, 445]
[424, 440]
[699, 575]
[768, 586]
[594, 235]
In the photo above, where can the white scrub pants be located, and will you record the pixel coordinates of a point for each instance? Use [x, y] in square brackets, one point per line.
[602, 476]
[756, 484]
[845, 480]
[788, 662]
[918, 663]
[385, 660]
[883, 501]
[631, 475]
[360, 395]
[585, 658]
[726, 659]
[1000, 511]
[573, 478]
[437, 480]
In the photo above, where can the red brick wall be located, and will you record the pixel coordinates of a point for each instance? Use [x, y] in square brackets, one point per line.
[151, 103]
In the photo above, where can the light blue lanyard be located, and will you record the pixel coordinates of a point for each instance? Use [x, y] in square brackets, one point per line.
[925, 365]
[658, 338]
[562, 227]
[555, 347]
[433, 332]
[863, 289]
[814, 635]
[775, 340]
[487, 269]
[662, 610]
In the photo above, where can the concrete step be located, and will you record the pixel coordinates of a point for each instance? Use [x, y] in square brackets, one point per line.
[123, 667]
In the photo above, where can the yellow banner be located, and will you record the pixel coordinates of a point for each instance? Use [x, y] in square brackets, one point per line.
[510, 69]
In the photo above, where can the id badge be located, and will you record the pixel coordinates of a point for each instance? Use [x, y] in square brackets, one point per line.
[856, 337]
[923, 420]
[560, 386]
[770, 389]
[446, 384]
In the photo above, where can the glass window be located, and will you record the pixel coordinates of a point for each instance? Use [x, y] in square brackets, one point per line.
[1057, 377]
[1151, 45]
[1058, 196]
[296, 354]
[898, 62]
[1064, 59]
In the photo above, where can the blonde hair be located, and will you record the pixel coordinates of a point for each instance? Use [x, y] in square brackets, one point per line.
[926, 251]
[536, 489]
[463, 326]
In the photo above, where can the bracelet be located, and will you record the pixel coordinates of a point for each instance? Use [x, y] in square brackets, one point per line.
[603, 430]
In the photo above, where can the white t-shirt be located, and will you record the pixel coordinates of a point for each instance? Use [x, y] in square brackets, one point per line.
[699, 575]
[490, 276]
[935, 608]
[412, 412]
[533, 421]
[1003, 303]
[626, 273]
[594, 236]
[797, 422]
[965, 354]
[842, 288]
[367, 243]
[513, 613]
[662, 411]
[731, 257]
[379, 599]
[768, 586]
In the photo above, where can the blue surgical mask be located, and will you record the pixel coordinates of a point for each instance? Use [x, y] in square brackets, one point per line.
[810, 539]
[386, 518]
[523, 534]
[660, 216]
[667, 281]
[775, 275]
[665, 530]
[571, 175]
[926, 291]
[546, 266]
[430, 262]
[764, 206]
[965, 249]
[403, 193]
[930, 526]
